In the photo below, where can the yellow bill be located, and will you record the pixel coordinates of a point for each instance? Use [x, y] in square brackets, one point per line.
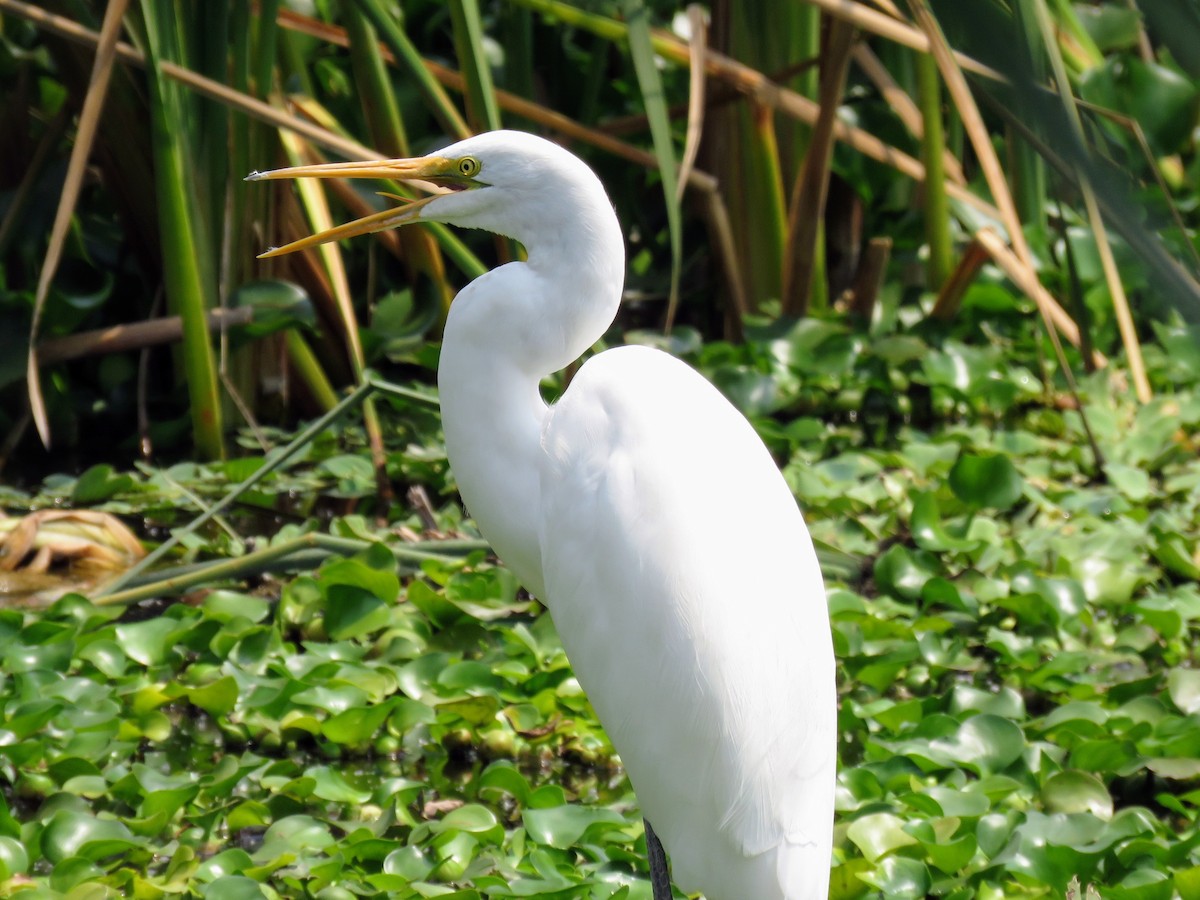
[455, 174]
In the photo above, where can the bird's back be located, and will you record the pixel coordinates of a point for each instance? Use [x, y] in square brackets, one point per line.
[685, 588]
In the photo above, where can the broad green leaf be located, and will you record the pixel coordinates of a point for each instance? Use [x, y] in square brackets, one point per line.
[986, 481]
[70, 834]
[1184, 688]
[100, 483]
[352, 611]
[233, 887]
[900, 877]
[562, 826]
[1076, 792]
[217, 698]
[879, 834]
[984, 743]
[14, 858]
[357, 724]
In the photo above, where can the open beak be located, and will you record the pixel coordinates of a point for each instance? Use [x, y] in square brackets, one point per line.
[435, 170]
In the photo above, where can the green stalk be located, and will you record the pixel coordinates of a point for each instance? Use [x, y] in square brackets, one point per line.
[386, 126]
[518, 52]
[373, 84]
[755, 153]
[642, 51]
[601, 26]
[1075, 42]
[937, 205]
[205, 35]
[293, 63]
[260, 561]
[275, 461]
[183, 272]
[760, 210]
[482, 110]
[308, 368]
[267, 42]
[1029, 169]
[397, 41]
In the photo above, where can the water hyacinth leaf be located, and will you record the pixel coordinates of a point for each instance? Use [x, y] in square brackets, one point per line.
[985, 744]
[217, 698]
[879, 834]
[151, 641]
[1119, 757]
[475, 710]
[928, 530]
[408, 862]
[455, 850]
[73, 874]
[1184, 688]
[14, 858]
[295, 835]
[329, 784]
[357, 724]
[373, 570]
[233, 887]
[1109, 578]
[1131, 481]
[1004, 702]
[248, 815]
[1187, 882]
[352, 611]
[986, 481]
[1162, 100]
[29, 718]
[845, 882]
[471, 677]
[957, 803]
[951, 855]
[1076, 792]
[900, 877]
[440, 611]
[562, 826]
[70, 833]
[408, 713]
[354, 474]
[1181, 768]
[472, 818]
[1142, 884]
[1174, 552]
[100, 483]
[52, 656]
[504, 778]
[903, 572]
[228, 605]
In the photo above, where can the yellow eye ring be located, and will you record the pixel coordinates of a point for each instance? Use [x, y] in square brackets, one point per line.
[468, 167]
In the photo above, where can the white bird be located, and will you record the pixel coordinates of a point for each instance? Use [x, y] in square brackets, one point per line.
[646, 513]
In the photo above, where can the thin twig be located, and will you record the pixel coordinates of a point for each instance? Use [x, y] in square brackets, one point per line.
[85, 134]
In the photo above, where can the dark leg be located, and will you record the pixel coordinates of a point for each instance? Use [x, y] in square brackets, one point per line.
[660, 877]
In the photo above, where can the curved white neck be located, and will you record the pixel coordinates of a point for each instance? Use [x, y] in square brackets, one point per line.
[506, 331]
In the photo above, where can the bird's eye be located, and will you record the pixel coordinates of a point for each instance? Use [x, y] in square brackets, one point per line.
[468, 166]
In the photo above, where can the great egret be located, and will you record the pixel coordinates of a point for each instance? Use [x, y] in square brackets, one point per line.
[645, 512]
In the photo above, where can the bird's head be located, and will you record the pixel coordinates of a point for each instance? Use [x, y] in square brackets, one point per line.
[507, 182]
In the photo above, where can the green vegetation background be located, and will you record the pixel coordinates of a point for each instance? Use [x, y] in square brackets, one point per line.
[1011, 558]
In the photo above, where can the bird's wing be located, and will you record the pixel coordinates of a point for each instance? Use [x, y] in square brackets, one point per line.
[687, 593]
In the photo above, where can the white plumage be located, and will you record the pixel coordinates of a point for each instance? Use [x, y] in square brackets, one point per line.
[646, 513]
